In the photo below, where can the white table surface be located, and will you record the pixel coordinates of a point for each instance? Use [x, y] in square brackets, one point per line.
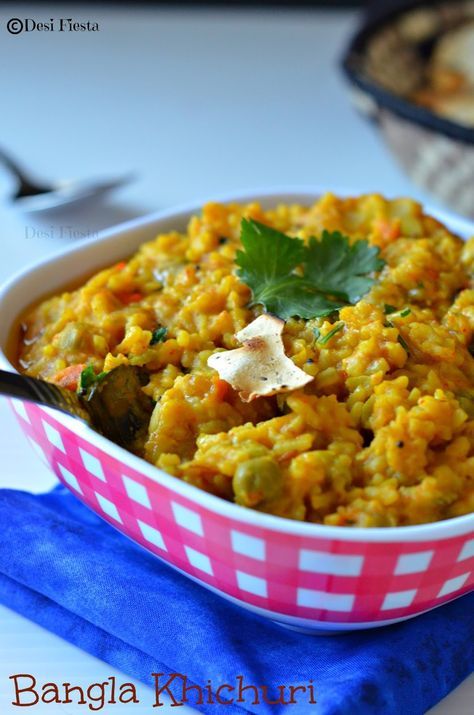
[198, 103]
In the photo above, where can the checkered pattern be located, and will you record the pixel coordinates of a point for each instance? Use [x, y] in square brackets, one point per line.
[310, 577]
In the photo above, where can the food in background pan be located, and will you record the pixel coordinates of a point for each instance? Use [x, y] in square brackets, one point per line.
[449, 85]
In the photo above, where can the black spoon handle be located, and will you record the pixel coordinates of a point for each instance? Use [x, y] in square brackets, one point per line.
[40, 392]
[26, 187]
[115, 406]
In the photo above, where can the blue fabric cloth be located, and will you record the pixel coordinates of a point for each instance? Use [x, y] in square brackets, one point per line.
[66, 569]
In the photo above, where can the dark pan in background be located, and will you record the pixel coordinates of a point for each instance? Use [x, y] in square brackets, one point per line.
[383, 63]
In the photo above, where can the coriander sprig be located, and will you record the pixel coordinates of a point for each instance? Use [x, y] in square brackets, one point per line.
[293, 279]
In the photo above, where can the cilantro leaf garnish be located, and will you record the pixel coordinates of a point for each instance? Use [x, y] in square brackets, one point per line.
[403, 343]
[158, 336]
[290, 278]
[326, 338]
[88, 379]
[389, 309]
[400, 338]
[340, 268]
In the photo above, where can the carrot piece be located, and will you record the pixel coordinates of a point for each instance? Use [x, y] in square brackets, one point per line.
[69, 377]
[120, 266]
[128, 298]
[222, 389]
[388, 229]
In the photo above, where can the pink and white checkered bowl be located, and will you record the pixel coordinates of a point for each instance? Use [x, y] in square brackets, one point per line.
[307, 576]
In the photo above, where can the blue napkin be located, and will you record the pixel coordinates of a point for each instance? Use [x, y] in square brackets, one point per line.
[66, 569]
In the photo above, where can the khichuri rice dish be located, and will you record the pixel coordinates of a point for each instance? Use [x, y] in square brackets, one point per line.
[357, 410]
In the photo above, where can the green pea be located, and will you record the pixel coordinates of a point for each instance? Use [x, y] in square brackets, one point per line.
[466, 402]
[257, 480]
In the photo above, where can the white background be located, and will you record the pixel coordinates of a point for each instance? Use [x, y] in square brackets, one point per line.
[198, 103]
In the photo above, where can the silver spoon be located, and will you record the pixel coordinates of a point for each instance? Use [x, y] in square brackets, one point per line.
[116, 406]
[32, 196]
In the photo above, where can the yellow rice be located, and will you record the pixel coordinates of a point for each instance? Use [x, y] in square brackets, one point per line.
[381, 437]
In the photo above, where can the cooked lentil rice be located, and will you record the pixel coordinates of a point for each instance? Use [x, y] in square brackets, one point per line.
[383, 436]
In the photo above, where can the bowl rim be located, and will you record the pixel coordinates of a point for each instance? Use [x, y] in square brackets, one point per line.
[439, 530]
[351, 66]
